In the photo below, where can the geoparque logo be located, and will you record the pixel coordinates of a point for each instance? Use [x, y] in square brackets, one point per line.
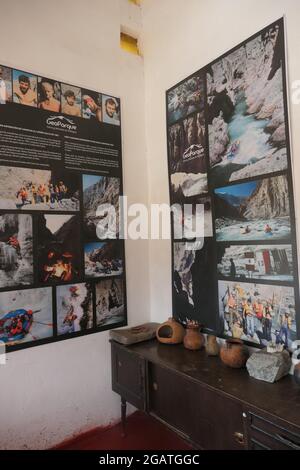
[61, 122]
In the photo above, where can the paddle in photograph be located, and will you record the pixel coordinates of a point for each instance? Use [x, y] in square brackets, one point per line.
[257, 210]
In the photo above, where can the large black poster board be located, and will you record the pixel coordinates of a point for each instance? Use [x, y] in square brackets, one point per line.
[60, 159]
[229, 149]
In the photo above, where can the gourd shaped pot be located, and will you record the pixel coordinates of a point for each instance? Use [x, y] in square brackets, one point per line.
[234, 354]
[212, 346]
[193, 339]
[170, 332]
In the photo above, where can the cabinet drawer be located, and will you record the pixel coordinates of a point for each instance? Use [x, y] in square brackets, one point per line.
[206, 418]
[128, 376]
[271, 435]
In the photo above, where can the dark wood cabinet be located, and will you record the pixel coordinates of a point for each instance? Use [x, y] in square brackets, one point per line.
[207, 403]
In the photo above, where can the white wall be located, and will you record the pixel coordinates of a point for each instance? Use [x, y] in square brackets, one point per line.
[50, 392]
[179, 37]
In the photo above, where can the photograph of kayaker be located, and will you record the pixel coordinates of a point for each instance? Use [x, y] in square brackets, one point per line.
[101, 191]
[102, 259]
[258, 313]
[257, 210]
[246, 116]
[16, 258]
[74, 308]
[58, 248]
[187, 158]
[110, 307]
[49, 94]
[186, 98]
[28, 317]
[32, 189]
[268, 262]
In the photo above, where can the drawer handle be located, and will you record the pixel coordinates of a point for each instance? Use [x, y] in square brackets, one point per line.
[155, 386]
[288, 442]
[239, 438]
[119, 363]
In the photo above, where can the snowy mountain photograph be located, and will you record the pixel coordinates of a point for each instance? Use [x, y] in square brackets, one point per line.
[247, 122]
[110, 298]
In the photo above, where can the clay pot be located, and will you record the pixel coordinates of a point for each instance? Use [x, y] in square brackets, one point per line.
[234, 353]
[212, 346]
[297, 373]
[193, 339]
[170, 332]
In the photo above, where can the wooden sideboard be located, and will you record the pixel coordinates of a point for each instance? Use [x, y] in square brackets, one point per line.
[208, 404]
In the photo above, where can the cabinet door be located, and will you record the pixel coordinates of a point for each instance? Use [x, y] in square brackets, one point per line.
[210, 420]
[128, 375]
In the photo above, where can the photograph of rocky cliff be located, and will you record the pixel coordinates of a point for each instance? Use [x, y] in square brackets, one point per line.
[103, 259]
[268, 262]
[186, 98]
[193, 283]
[74, 308]
[187, 158]
[97, 191]
[194, 219]
[26, 315]
[247, 134]
[16, 259]
[33, 189]
[258, 313]
[58, 248]
[110, 298]
[257, 210]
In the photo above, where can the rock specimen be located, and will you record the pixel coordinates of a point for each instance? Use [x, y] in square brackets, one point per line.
[269, 367]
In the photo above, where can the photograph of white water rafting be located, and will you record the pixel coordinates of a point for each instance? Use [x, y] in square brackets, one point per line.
[29, 316]
[255, 210]
[246, 116]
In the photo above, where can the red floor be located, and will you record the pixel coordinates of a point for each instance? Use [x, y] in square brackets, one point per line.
[143, 433]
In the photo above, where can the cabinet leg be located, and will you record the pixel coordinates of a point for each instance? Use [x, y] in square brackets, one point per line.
[123, 415]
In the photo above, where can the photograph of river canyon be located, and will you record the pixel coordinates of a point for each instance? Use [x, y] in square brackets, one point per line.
[246, 116]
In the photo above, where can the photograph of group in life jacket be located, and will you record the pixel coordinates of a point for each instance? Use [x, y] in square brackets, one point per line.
[246, 115]
[256, 210]
[258, 313]
[268, 262]
[74, 308]
[187, 158]
[28, 317]
[16, 257]
[185, 98]
[100, 191]
[58, 239]
[110, 302]
[103, 259]
[32, 189]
